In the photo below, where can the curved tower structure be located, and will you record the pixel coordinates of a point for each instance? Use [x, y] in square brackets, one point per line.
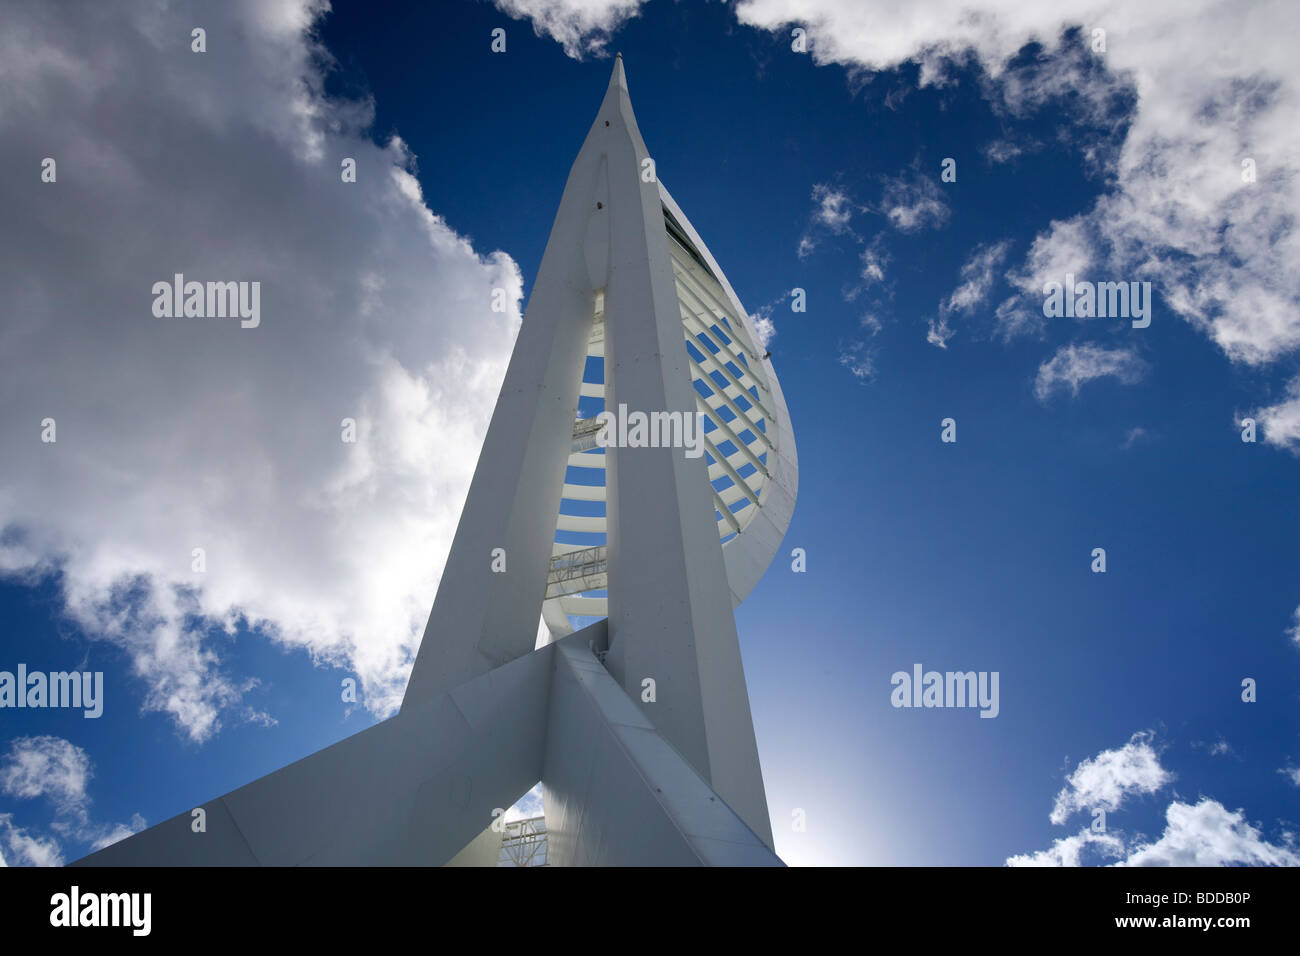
[636, 480]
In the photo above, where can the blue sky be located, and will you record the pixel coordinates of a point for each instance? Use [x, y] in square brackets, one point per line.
[816, 170]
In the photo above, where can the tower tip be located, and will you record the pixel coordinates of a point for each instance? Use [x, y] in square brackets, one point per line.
[618, 78]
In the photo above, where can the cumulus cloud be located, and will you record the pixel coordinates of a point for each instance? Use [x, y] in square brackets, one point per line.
[1204, 834]
[177, 434]
[49, 767]
[1105, 780]
[1208, 834]
[1074, 365]
[1179, 208]
[58, 771]
[1280, 423]
[1080, 849]
[582, 27]
[25, 849]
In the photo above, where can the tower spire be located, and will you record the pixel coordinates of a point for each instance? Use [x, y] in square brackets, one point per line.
[638, 726]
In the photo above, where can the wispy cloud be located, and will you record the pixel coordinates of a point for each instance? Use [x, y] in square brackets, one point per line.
[939, 333]
[832, 214]
[912, 202]
[1075, 365]
[859, 360]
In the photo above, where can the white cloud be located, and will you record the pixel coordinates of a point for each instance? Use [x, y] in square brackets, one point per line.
[834, 208]
[1294, 631]
[912, 203]
[25, 849]
[1134, 435]
[1223, 253]
[1106, 779]
[529, 805]
[1072, 850]
[582, 27]
[1013, 318]
[1002, 151]
[977, 275]
[175, 434]
[939, 333]
[874, 260]
[859, 360]
[115, 832]
[1074, 365]
[58, 771]
[1208, 834]
[832, 213]
[1291, 773]
[1280, 423]
[1066, 247]
[48, 767]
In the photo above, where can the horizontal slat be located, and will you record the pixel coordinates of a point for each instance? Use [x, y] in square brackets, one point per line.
[587, 459]
[577, 523]
[583, 492]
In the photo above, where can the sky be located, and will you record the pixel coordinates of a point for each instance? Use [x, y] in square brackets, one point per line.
[922, 174]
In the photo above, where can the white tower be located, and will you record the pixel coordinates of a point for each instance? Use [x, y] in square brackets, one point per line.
[638, 725]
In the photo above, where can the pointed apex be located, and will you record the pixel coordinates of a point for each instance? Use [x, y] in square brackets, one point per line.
[618, 79]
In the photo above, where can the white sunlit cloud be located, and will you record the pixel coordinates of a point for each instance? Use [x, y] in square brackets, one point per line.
[978, 274]
[58, 771]
[1073, 366]
[939, 333]
[176, 434]
[1106, 779]
[1177, 210]
[1280, 424]
[832, 213]
[1208, 834]
[582, 27]
[1202, 834]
